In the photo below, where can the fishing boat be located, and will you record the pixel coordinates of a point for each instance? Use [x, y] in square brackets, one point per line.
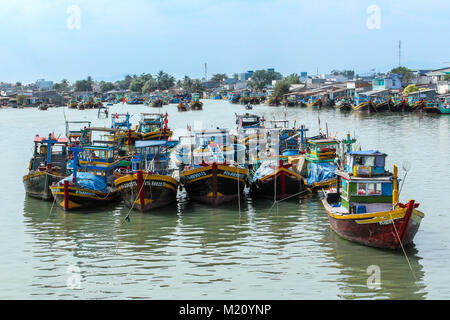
[400, 104]
[150, 183]
[444, 106]
[272, 173]
[92, 181]
[47, 165]
[364, 206]
[416, 104]
[196, 104]
[126, 136]
[153, 126]
[156, 102]
[183, 106]
[43, 107]
[432, 107]
[363, 103]
[273, 101]
[215, 173]
[275, 179]
[74, 135]
[314, 102]
[383, 105]
[234, 97]
[72, 104]
[290, 101]
[103, 112]
[248, 120]
[343, 104]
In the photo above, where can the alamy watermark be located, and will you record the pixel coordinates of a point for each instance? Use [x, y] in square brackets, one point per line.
[374, 20]
[374, 279]
[74, 19]
[74, 278]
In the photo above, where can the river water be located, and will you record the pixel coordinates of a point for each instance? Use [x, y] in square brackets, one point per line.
[192, 251]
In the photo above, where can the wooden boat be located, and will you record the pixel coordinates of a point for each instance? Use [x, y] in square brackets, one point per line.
[75, 135]
[72, 104]
[273, 101]
[214, 174]
[290, 102]
[364, 207]
[48, 165]
[183, 106]
[432, 107]
[126, 137]
[444, 107]
[156, 103]
[91, 183]
[363, 103]
[248, 120]
[234, 98]
[320, 160]
[150, 183]
[153, 126]
[416, 105]
[43, 107]
[343, 104]
[314, 102]
[275, 179]
[196, 104]
[400, 105]
[385, 105]
[103, 112]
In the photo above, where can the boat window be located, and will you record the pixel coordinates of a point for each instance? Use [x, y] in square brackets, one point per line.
[362, 189]
[374, 188]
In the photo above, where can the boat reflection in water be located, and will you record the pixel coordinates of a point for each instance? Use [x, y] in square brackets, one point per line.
[358, 266]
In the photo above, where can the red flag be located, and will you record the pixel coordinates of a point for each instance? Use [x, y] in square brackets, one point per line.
[124, 100]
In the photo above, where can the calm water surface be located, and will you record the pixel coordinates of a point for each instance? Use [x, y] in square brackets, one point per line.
[192, 251]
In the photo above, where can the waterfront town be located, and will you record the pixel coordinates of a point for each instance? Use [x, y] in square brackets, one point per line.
[400, 89]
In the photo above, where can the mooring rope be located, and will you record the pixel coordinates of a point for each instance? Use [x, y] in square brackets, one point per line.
[401, 245]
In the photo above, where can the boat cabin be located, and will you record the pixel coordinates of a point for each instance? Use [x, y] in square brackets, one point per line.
[249, 120]
[321, 149]
[150, 122]
[365, 185]
[152, 156]
[121, 121]
[76, 135]
[49, 151]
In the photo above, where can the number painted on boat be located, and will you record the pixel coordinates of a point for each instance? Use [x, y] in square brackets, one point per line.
[196, 175]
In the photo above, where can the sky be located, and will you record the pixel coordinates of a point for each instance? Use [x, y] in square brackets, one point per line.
[107, 39]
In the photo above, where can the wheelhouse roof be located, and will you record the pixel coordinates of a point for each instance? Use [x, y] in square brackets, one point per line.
[59, 140]
[149, 143]
[367, 153]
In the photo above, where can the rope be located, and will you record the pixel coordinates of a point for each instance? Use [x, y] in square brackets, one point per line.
[403, 249]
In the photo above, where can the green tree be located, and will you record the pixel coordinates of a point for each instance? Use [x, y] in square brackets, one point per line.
[235, 76]
[18, 84]
[83, 85]
[150, 85]
[261, 78]
[219, 77]
[106, 86]
[136, 85]
[293, 79]
[447, 77]
[281, 87]
[406, 74]
[165, 81]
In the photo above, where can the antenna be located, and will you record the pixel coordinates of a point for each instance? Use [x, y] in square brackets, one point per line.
[206, 72]
[399, 52]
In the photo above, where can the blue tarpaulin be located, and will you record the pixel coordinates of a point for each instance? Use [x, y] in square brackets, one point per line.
[89, 181]
[320, 172]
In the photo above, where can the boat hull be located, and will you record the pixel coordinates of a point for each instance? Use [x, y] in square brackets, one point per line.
[37, 184]
[214, 185]
[156, 191]
[377, 229]
[79, 198]
[283, 183]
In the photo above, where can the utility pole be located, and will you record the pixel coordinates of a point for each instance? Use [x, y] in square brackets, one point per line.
[399, 52]
[206, 72]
